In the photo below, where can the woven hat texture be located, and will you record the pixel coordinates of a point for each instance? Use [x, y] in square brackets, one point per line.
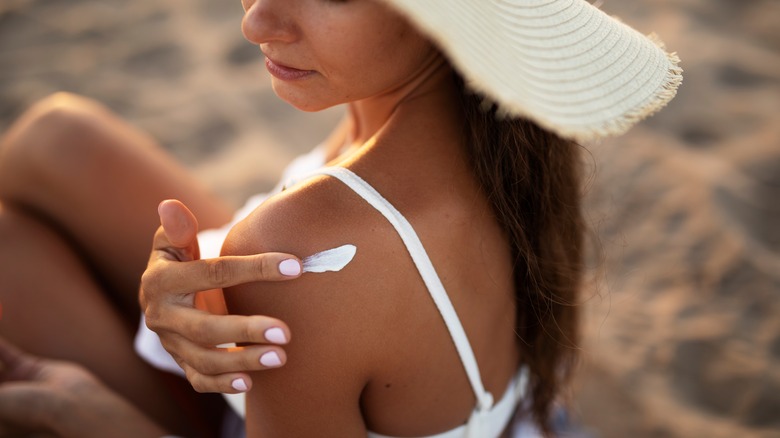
[564, 64]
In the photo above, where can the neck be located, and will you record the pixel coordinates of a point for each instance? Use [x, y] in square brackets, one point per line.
[367, 117]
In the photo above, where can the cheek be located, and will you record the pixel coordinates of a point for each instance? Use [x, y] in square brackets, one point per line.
[356, 62]
[377, 61]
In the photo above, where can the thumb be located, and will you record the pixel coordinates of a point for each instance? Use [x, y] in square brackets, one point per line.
[15, 364]
[178, 222]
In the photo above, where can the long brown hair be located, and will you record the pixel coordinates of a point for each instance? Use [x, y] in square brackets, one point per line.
[532, 179]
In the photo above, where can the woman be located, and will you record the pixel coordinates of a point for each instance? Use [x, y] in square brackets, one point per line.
[459, 139]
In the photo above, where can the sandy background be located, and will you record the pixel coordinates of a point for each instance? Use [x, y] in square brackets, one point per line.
[684, 324]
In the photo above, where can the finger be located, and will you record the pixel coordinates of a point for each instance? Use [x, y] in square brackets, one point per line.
[220, 272]
[229, 383]
[14, 363]
[180, 225]
[216, 361]
[203, 328]
[9, 355]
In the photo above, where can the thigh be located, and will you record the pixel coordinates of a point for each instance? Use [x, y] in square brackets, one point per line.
[98, 181]
[52, 307]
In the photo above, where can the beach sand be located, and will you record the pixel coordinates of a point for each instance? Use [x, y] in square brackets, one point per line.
[683, 311]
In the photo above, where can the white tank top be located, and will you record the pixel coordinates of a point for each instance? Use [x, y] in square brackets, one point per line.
[488, 419]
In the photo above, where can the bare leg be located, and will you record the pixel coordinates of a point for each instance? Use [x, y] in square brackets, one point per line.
[79, 191]
[53, 307]
[98, 181]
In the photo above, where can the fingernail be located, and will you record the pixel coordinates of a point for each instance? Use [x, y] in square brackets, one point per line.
[239, 385]
[290, 267]
[270, 359]
[276, 335]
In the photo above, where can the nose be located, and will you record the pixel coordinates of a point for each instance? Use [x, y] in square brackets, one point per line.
[268, 20]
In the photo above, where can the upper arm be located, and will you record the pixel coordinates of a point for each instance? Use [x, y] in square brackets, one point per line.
[317, 392]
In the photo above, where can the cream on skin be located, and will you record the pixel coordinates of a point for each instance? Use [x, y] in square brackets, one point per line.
[331, 260]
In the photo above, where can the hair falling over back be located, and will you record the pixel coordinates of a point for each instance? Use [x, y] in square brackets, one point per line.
[532, 180]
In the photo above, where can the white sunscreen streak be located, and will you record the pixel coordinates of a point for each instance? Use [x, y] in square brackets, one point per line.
[332, 260]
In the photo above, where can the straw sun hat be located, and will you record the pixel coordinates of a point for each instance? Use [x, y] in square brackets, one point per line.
[564, 64]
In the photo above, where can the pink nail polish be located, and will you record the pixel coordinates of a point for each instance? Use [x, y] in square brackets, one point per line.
[290, 267]
[275, 335]
[270, 360]
[239, 385]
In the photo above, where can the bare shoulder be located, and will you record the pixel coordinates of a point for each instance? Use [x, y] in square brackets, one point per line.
[332, 316]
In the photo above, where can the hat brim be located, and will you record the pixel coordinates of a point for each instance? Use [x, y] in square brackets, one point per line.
[564, 64]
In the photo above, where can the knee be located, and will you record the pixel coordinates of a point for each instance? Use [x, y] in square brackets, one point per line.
[53, 134]
[53, 123]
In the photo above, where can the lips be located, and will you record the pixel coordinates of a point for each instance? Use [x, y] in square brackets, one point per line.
[284, 72]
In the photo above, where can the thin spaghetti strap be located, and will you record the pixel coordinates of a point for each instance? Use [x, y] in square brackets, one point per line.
[427, 272]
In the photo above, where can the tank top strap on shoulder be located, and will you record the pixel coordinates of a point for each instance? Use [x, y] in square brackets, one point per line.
[427, 272]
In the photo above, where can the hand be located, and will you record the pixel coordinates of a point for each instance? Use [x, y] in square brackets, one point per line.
[47, 396]
[168, 296]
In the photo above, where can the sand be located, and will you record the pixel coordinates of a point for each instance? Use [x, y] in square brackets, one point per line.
[684, 335]
[683, 313]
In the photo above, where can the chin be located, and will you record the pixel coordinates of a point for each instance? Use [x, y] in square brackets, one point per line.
[310, 107]
[303, 101]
